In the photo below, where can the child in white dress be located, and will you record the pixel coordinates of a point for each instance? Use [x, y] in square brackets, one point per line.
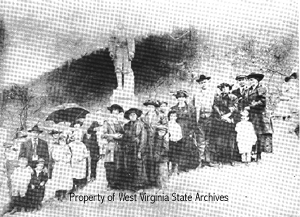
[246, 137]
[20, 180]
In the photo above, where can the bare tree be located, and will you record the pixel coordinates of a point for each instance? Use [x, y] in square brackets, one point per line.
[21, 94]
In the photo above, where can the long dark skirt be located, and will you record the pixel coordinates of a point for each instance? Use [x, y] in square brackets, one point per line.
[19, 202]
[110, 168]
[136, 171]
[223, 138]
[34, 197]
[174, 151]
[189, 155]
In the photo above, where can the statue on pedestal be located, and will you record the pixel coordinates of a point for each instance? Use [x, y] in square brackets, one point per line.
[121, 50]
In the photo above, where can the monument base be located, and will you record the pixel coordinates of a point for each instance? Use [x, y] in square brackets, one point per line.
[125, 98]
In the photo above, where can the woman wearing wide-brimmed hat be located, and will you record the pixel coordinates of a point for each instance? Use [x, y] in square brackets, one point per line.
[288, 99]
[186, 118]
[114, 154]
[134, 141]
[256, 103]
[152, 119]
[91, 142]
[222, 131]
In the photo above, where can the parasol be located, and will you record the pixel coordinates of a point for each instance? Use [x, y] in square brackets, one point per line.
[67, 115]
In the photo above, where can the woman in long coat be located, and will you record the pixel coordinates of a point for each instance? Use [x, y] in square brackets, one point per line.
[223, 128]
[186, 118]
[152, 119]
[256, 102]
[134, 143]
[90, 140]
[114, 160]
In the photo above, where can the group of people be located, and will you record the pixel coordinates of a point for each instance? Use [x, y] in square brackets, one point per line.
[30, 164]
[231, 127]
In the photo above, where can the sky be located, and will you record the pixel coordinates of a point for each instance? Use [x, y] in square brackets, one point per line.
[42, 35]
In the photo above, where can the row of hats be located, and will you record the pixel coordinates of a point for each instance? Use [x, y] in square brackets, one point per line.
[127, 113]
[257, 76]
[21, 133]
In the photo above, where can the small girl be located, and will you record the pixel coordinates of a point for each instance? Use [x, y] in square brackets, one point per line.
[246, 137]
[19, 183]
[175, 141]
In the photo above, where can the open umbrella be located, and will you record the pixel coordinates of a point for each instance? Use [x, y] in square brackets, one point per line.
[67, 115]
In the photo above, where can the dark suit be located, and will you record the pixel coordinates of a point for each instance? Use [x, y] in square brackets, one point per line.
[27, 151]
[187, 119]
[240, 94]
[222, 132]
[256, 99]
[35, 196]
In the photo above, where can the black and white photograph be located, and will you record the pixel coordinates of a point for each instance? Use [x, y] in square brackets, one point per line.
[155, 108]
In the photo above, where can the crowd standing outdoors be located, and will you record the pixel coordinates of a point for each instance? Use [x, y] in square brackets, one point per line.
[230, 127]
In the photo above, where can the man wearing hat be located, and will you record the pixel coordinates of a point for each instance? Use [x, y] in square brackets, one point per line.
[242, 82]
[134, 140]
[222, 131]
[240, 94]
[35, 148]
[152, 119]
[203, 98]
[203, 102]
[256, 103]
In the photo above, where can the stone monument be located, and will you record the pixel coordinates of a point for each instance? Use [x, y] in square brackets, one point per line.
[122, 50]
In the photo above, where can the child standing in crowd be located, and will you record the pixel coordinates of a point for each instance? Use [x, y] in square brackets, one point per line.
[161, 149]
[175, 144]
[19, 181]
[246, 137]
[36, 188]
[79, 160]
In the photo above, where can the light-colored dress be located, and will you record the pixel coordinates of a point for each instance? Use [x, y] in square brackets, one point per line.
[20, 179]
[175, 131]
[288, 102]
[246, 136]
[62, 175]
[79, 152]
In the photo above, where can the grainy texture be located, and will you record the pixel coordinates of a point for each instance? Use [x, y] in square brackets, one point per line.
[57, 52]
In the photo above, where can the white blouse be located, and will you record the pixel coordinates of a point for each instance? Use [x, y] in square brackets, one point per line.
[175, 131]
